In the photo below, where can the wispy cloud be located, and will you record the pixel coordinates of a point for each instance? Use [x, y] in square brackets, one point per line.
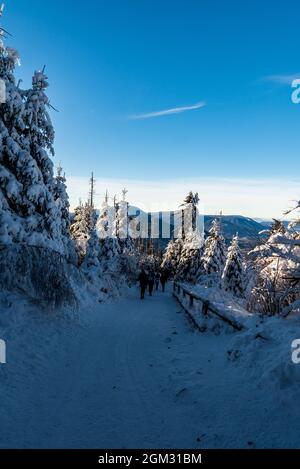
[281, 79]
[167, 112]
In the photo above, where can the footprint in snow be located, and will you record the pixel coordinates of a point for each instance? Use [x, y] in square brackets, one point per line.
[182, 392]
[234, 355]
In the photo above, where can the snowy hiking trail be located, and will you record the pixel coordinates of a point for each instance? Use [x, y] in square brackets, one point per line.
[135, 375]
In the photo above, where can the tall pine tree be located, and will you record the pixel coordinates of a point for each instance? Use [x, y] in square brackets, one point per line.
[81, 229]
[172, 256]
[28, 210]
[214, 256]
[110, 249]
[233, 275]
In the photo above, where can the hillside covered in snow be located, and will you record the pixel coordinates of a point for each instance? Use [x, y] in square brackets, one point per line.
[115, 339]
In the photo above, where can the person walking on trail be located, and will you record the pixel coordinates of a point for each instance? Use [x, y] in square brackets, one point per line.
[143, 279]
[157, 279]
[151, 282]
[163, 280]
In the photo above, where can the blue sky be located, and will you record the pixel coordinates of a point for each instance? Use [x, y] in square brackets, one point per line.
[114, 64]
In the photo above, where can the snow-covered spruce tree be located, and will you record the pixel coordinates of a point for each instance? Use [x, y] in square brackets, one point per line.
[17, 167]
[121, 225]
[14, 205]
[190, 263]
[190, 257]
[110, 249]
[189, 214]
[104, 225]
[214, 256]
[149, 262]
[172, 255]
[233, 275]
[30, 219]
[92, 256]
[28, 212]
[81, 229]
[128, 252]
[62, 200]
[183, 255]
[295, 244]
[39, 139]
[275, 263]
[39, 130]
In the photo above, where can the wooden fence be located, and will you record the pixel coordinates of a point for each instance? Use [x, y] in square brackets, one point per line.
[195, 306]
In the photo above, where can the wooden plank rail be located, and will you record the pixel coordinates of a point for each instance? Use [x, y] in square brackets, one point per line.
[181, 292]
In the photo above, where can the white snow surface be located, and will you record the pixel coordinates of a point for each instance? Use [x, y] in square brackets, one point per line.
[136, 374]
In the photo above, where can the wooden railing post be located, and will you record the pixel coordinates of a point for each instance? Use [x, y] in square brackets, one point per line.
[191, 301]
[205, 307]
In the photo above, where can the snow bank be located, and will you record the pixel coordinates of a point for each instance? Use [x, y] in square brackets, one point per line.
[262, 349]
[41, 274]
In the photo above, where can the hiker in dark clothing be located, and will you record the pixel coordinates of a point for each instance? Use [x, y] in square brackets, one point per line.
[163, 280]
[157, 279]
[151, 282]
[143, 279]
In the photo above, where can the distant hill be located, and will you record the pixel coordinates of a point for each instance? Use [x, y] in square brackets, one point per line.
[247, 228]
[268, 222]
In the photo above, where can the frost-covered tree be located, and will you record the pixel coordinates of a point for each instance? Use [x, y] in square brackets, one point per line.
[128, 259]
[182, 257]
[233, 279]
[214, 256]
[93, 252]
[110, 249]
[121, 224]
[277, 227]
[104, 225]
[81, 229]
[16, 165]
[39, 128]
[275, 263]
[172, 255]
[110, 255]
[190, 257]
[149, 262]
[62, 200]
[28, 211]
[190, 263]
[189, 214]
[39, 138]
[121, 221]
[295, 244]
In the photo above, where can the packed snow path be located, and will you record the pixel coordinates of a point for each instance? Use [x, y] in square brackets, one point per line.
[135, 375]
